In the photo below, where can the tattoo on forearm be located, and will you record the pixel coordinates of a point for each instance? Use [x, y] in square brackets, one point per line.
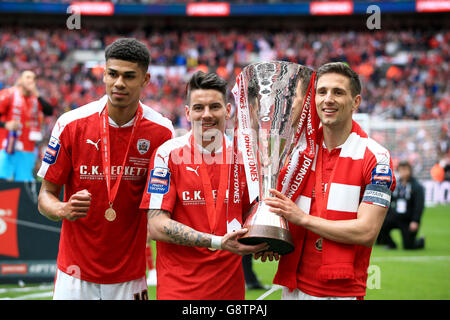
[184, 235]
[155, 212]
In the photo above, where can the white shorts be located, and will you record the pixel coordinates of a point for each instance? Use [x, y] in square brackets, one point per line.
[71, 288]
[300, 295]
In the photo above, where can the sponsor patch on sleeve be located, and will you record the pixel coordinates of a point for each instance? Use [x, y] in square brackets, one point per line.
[377, 194]
[382, 175]
[159, 181]
[51, 153]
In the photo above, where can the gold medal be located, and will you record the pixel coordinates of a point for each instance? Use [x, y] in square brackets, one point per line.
[110, 214]
[318, 244]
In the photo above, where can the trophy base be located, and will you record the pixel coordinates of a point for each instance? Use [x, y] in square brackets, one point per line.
[278, 239]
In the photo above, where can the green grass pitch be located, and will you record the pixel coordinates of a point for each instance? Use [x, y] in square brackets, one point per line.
[393, 274]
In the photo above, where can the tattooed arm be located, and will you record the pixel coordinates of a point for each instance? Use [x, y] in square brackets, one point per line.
[163, 228]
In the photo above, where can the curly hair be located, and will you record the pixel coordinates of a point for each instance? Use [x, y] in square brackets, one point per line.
[129, 49]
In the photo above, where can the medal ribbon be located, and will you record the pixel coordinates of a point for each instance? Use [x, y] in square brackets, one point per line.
[243, 126]
[213, 210]
[106, 153]
[308, 125]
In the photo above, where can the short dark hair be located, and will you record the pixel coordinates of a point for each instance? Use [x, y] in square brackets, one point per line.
[201, 80]
[305, 74]
[252, 90]
[345, 70]
[404, 164]
[129, 49]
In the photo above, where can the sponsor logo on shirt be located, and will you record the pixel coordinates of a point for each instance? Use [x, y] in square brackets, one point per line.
[163, 158]
[159, 181]
[193, 170]
[196, 197]
[382, 175]
[51, 153]
[92, 172]
[95, 144]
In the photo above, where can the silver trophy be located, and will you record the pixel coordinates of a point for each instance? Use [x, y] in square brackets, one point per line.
[269, 98]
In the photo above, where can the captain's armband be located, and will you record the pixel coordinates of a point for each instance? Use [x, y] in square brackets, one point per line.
[377, 194]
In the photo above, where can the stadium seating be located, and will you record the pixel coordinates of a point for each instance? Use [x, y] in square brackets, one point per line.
[403, 72]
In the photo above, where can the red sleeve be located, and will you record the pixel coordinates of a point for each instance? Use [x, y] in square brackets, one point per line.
[57, 161]
[5, 100]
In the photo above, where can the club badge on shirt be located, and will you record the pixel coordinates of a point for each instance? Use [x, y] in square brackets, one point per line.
[51, 153]
[143, 145]
[159, 181]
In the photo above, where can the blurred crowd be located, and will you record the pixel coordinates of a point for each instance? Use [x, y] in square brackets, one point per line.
[423, 144]
[404, 73]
